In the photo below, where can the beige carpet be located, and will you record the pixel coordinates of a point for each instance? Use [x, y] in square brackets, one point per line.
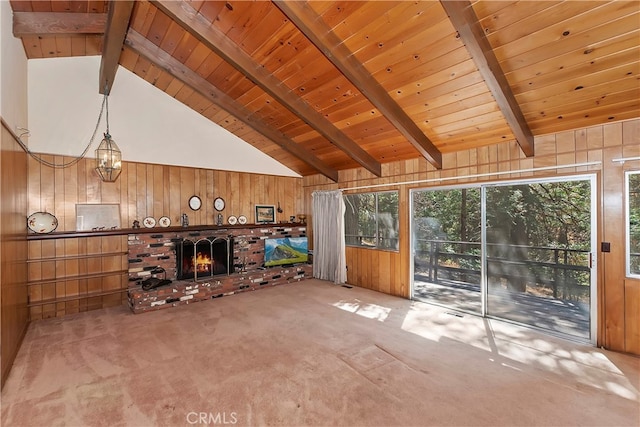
[311, 353]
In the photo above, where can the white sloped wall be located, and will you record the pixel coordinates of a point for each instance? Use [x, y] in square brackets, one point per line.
[147, 124]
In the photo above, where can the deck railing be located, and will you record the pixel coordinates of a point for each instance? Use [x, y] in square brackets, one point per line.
[563, 272]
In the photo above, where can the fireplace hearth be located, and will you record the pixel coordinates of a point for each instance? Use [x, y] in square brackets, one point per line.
[204, 258]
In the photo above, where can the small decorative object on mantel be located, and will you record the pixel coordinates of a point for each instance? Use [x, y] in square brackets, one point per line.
[232, 220]
[292, 218]
[184, 220]
[302, 218]
[219, 219]
[136, 224]
[242, 220]
[164, 221]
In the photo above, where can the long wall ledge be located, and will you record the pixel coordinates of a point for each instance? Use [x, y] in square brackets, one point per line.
[153, 230]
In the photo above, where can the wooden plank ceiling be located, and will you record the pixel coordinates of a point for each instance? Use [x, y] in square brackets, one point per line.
[324, 86]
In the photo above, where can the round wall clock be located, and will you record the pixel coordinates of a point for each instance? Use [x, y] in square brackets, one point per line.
[218, 203]
[195, 203]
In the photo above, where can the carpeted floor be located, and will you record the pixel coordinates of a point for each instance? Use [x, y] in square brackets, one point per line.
[311, 353]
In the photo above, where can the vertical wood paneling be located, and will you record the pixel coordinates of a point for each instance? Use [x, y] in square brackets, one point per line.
[59, 285]
[150, 200]
[174, 191]
[14, 249]
[613, 232]
[632, 316]
[141, 189]
[618, 299]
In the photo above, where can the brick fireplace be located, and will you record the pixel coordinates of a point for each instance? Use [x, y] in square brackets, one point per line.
[157, 253]
[204, 257]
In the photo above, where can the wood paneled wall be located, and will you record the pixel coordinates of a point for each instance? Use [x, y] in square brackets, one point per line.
[13, 248]
[618, 299]
[74, 274]
[157, 190]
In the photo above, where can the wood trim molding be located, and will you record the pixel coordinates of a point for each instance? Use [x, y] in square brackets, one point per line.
[13, 134]
[161, 230]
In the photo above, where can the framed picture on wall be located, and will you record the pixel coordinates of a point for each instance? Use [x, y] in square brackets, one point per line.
[265, 214]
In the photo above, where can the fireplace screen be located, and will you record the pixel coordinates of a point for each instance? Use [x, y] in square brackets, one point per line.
[204, 258]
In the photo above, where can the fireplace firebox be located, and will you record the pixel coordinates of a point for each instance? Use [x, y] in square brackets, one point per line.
[204, 258]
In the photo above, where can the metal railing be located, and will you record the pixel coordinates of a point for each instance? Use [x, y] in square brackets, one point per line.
[380, 242]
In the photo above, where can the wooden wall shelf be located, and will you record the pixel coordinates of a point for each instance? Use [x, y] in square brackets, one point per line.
[73, 272]
[77, 277]
[70, 257]
[77, 297]
[154, 230]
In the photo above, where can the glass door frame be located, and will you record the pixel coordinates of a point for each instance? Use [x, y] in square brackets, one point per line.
[593, 285]
[412, 246]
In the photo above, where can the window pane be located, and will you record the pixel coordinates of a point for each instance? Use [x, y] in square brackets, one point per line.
[371, 220]
[538, 246]
[360, 223]
[633, 200]
[388, 220]
[446, 242]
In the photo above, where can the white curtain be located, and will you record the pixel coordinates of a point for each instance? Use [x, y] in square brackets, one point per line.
[329, 258]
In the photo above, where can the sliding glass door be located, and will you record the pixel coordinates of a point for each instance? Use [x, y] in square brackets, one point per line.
[519, 251]
[538, 254]
[446, 247]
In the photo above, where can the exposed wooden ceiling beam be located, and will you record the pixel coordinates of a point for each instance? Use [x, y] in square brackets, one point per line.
[115, 31]
[321, 35]
[185, 15]
[145, 48]
[465, 21]
[57, 23]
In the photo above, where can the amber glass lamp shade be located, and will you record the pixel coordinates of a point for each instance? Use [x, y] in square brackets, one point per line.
[108, 159]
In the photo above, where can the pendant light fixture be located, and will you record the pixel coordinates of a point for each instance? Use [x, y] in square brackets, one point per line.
[108, 155]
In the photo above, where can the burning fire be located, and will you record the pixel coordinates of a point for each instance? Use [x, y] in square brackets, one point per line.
[203, 263]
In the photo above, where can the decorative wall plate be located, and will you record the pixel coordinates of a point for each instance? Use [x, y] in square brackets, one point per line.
[195, 203]
[164, 221]
[42, 222]
[218, 204]
[232, 220]
[242, 219]
[149, 222]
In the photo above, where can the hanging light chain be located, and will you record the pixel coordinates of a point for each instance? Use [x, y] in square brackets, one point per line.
[106, 100]
[75, 160]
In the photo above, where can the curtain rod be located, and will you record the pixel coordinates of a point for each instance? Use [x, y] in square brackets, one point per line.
[625, 159]
[451, 178]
